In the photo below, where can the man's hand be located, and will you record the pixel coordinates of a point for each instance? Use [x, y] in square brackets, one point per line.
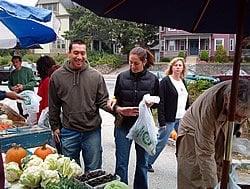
[128, 111]
[57, 135]
[15, 88]
[20, 87]
[13, 96]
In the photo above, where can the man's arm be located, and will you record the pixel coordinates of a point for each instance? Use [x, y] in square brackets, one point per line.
[55, 105]
[10, 81]
[102, 95]
[32, 81]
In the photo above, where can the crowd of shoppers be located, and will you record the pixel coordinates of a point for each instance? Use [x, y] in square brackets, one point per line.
[75, 92]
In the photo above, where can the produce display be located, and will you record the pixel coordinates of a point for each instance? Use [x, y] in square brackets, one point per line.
[48, 170]
[15, 154]
[43, 151]
[34, 172]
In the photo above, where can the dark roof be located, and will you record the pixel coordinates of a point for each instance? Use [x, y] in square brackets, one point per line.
[66, 3]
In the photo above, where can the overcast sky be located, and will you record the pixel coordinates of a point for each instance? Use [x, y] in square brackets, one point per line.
[25, 2]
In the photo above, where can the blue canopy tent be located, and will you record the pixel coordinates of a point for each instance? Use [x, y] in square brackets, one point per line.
[25, 26]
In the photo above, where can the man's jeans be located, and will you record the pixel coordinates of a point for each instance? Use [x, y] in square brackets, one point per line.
[123, 146]
[90, 144]
[163, 135]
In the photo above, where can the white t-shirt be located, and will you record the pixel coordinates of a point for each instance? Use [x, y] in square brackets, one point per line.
[182, 97]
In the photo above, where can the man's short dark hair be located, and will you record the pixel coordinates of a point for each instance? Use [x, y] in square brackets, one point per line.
[16, 57]
[76, 41]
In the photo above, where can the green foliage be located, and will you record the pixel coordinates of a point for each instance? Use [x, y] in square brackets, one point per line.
[204, 56]
[101, 58]
[66, 183]
[182, 54]
[5, 60]
[89, 27]
[196, 88]
[165, 59]
[221, 54]
[30, 57]
[60, 58]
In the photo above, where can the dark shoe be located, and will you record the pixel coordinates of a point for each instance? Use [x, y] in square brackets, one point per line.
[151, 170]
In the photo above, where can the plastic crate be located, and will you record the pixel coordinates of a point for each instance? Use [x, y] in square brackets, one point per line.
[86, 182]
[27, 137]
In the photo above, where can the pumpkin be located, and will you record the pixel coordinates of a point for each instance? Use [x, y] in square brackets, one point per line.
[15, 154]
[43, 151]
[173, 135]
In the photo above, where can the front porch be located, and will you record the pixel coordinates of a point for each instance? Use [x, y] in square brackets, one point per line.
[191, 45]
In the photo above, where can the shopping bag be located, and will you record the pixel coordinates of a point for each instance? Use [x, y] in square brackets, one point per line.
[144, 131]
[44, 118]
[30, 104]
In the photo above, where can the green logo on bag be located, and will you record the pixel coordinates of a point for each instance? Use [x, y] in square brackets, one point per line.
[146, 138]
[144, 135]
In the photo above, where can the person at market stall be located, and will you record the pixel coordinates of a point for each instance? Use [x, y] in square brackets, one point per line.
[173, 104]
[13, 96]
[131, 85]
[201, 135]
[80, 91]
[20, 79]
[45, 66]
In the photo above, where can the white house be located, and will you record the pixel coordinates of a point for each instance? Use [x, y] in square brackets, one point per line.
[59, 8]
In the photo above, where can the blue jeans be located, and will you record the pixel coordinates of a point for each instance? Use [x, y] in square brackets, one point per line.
[162, 140]
[123, 146]
[90, 144]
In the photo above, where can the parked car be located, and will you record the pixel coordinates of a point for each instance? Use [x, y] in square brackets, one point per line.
[193, 76]
[190, 76]
[228, 75]
[6, 70]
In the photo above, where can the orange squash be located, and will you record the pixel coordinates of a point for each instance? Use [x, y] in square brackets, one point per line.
[173, 135]
[15, 154]
[43, 151]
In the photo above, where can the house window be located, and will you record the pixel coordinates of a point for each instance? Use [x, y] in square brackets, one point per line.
[51, 6]
[231, 45]
[206, 44]
[218, 42]
[171, 46]
[60, 44]
[182, 45]
[171, 29]
[162, 29]
[162, 45]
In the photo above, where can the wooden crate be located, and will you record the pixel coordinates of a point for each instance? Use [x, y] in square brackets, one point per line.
[27, 137]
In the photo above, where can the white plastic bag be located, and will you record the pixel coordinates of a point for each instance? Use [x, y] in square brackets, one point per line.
[30, 104]
[144, 131]
[44, 118]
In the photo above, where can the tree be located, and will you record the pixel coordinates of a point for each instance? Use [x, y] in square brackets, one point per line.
[88, 26]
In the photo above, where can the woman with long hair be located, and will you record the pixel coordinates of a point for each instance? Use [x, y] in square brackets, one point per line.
[173, 104]
[45, 67]
[131, 86]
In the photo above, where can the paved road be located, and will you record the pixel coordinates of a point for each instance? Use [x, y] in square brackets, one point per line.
[164, 176]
